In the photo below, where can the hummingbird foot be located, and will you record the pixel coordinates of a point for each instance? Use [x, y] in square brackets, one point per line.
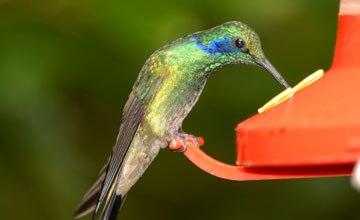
[181, 141]
[185, 136]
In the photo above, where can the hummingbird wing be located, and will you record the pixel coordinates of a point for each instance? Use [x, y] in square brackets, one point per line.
[133, 114]
[140, 98]
[135, 109]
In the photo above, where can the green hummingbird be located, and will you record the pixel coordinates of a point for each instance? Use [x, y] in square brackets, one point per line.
[167, 88]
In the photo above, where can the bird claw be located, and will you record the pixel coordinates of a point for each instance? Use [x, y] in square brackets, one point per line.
[181, 143]
[184, 136]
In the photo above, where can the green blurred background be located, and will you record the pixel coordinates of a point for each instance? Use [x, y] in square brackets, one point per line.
[67, 67]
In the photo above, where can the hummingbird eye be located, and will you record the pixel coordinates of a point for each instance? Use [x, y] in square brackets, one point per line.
[240, 44]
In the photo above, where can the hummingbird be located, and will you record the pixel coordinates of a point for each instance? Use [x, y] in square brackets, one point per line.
[168, 86]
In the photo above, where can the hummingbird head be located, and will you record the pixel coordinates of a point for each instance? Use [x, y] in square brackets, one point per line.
[234, 43]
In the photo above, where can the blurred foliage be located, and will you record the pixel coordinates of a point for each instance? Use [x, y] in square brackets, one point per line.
[67, 67]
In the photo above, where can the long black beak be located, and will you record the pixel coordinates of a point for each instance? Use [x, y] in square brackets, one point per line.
[264, 63]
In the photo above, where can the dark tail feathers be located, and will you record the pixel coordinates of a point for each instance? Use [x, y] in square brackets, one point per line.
[90, 200]
[113, 206]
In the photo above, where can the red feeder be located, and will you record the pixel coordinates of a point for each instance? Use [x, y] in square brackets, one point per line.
[315, 133]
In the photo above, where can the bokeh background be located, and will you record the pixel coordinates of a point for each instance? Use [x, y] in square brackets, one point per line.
[67, 67]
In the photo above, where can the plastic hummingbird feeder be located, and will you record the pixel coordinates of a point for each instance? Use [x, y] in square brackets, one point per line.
[311, 130]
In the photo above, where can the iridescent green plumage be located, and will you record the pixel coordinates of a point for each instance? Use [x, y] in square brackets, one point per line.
[167, 88]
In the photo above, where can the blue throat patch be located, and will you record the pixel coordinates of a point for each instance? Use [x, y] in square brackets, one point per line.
[217, 46]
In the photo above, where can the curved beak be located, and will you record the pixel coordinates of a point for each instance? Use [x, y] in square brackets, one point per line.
[264, 63]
